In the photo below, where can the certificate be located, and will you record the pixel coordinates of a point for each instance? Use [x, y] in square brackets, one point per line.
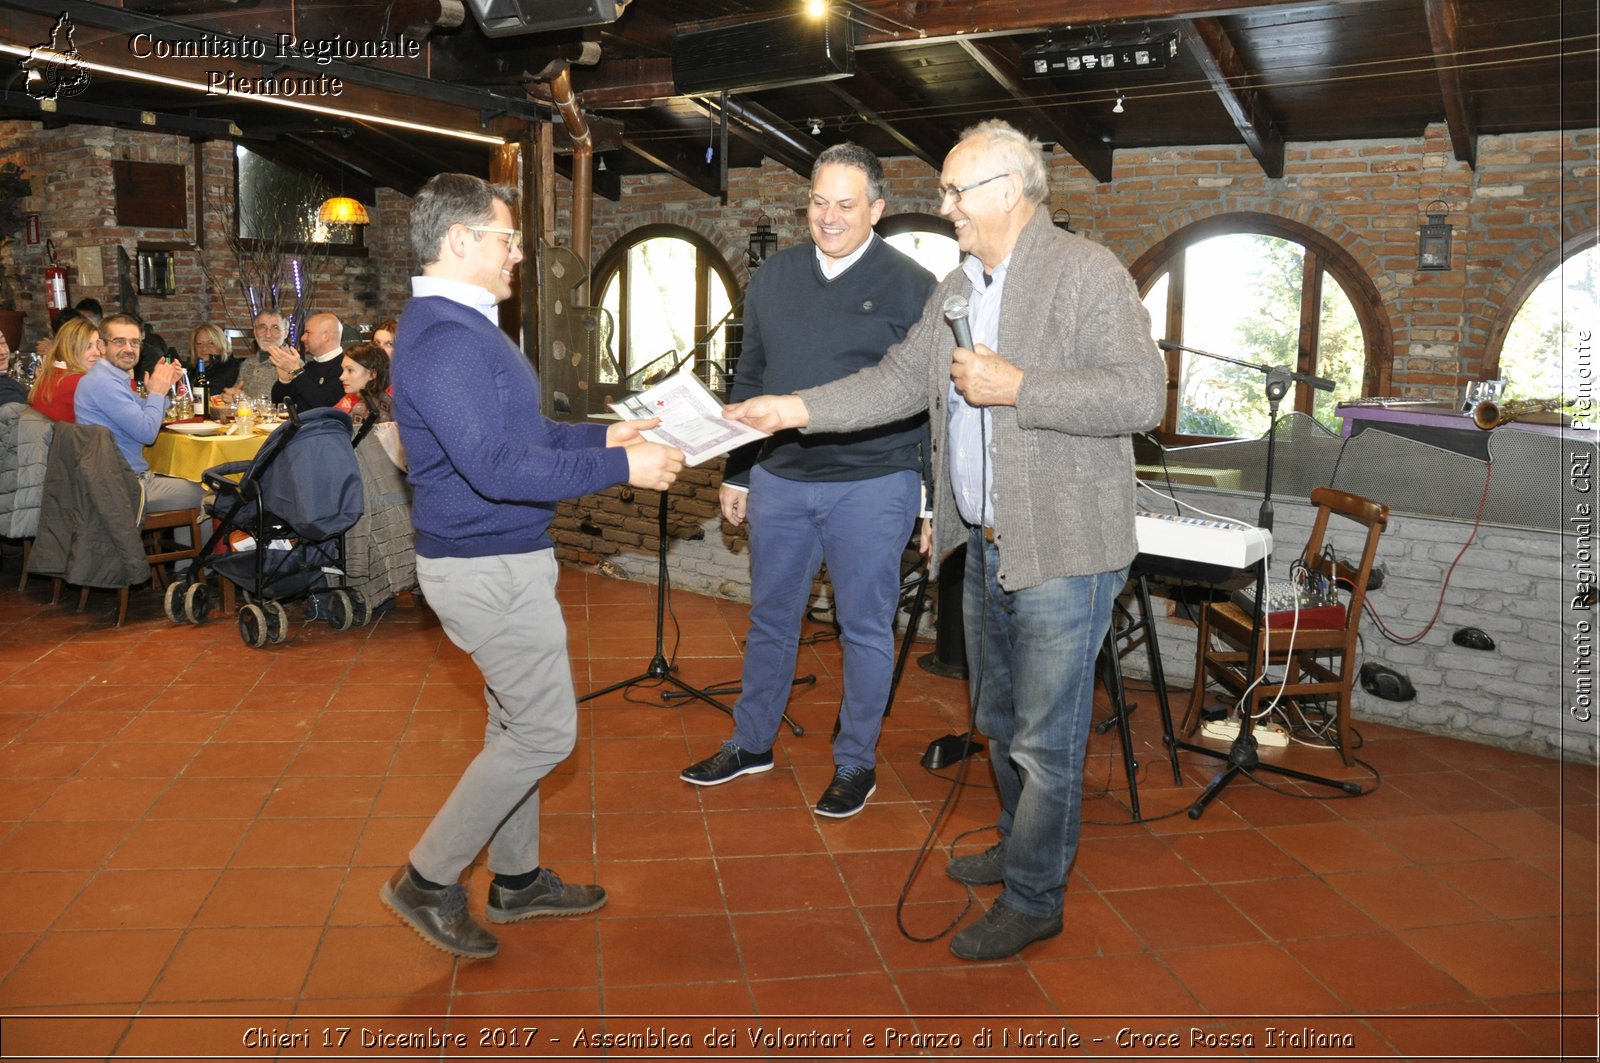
[691, 418]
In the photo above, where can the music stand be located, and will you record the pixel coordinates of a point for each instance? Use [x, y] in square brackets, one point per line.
[1243, 755]
[658, 669]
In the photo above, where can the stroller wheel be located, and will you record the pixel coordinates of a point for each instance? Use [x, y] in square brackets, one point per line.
[173, 603]
[277, 622]
[197, 603]
[253, 626]
[360, 611]
[341, 611]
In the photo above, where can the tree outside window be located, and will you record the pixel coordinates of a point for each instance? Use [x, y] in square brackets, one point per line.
[1257, 297]
[1538, 359]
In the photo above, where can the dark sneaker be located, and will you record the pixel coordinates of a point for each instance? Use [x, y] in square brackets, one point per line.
[980, 869]
[726, 764]
[848, 792]
[1002, 932]
[548, 895]
[439, 916]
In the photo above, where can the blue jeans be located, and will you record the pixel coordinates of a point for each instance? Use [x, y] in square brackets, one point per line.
[1032, 654]
[860, 527]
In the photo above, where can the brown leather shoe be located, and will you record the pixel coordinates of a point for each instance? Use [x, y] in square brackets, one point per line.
[439, 916]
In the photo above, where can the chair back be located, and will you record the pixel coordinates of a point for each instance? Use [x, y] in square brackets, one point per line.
[1374, 517]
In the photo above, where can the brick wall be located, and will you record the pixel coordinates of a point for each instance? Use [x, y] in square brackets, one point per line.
[73, 193]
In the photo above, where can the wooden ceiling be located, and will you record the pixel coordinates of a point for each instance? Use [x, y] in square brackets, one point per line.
[1251, 72]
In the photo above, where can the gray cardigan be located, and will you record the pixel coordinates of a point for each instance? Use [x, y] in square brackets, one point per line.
[1062, 459]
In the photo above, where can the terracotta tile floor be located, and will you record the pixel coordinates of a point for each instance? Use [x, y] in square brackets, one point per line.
[193, 834]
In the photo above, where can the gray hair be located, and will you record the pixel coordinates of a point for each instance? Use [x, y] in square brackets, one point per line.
[1015, 151]
[452, 199]
[848, 154]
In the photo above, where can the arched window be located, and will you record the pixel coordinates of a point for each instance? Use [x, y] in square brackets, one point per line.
[1264, 290]
[1539, 358]
[928, 238]
[668, 290]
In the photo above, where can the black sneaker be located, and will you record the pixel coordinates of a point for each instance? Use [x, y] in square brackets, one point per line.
[980, 869]
[1002, 932]
[726, 764]
[848, 792]
[547, 895]
[439, 916]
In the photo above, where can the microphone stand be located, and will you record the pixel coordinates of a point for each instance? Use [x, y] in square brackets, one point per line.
[1243, 756]
[658, 669]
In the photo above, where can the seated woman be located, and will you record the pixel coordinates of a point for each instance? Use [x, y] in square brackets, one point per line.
[77, 346]
[365, 376]
[379, 548]
[383, 335]
[208, 344]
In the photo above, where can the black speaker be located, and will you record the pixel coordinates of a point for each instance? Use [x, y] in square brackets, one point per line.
[506, 18]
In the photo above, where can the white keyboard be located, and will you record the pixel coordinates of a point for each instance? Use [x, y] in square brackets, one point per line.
[1201, 539]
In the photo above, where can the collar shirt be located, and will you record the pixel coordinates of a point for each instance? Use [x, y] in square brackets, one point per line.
[831, 267]
[971, 475]
[480, 299]
[104, 398]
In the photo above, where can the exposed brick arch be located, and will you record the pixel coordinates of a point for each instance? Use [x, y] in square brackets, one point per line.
[1343, 253]
[734, 258]
[1526, 271]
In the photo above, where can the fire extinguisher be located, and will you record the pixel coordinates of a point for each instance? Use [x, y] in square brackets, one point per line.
[55, 282]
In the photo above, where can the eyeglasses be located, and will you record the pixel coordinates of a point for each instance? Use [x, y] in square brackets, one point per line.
[269, 328]
[953, 192]
[513, 237]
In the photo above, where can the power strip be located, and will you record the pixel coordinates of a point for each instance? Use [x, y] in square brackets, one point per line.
[1269, 734]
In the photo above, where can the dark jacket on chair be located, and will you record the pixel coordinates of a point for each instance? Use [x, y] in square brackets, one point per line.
[90, 514]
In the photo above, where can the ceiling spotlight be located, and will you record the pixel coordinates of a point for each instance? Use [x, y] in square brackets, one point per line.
[816, 126]
[816, 8]
[1118, 109]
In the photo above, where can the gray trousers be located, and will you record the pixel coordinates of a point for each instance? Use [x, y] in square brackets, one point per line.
[503, 611]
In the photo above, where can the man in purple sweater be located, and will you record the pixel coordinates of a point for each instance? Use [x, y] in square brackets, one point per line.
[487, 470]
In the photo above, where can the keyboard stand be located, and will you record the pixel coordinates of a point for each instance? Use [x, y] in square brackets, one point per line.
[1120, 708]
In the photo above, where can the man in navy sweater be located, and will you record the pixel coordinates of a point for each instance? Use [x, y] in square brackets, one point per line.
[813, 315]
[487, 469]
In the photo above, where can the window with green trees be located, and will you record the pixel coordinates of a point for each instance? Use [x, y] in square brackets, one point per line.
[1278, 295]
[1539, 358]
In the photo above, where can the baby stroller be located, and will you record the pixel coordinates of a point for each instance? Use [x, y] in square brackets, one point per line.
[293, 501]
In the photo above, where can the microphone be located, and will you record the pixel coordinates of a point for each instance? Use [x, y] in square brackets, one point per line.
[1168, 345]
[955, 312]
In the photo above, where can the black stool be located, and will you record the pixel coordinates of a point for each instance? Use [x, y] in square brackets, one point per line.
[1127, 631]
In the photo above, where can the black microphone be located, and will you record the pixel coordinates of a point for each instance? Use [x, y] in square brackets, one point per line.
[955, 312]
[1168, 345]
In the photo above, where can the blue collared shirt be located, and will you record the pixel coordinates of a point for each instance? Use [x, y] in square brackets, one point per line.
[971, 476]
[106, 397]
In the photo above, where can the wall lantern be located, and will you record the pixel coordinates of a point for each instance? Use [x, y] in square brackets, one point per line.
[342, 210]
[763, 242]
[1433, 239]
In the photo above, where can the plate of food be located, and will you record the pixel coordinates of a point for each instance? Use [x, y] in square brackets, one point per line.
[196, 428]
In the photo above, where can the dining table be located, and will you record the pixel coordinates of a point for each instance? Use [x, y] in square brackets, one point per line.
[188, 449]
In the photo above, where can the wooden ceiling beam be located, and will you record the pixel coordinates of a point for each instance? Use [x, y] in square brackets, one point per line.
[773, 136]
[1444, 31]
[1002, 60]
[941, 19]
[871, 99]
[1232, 81]
[626, 83]
[676, 158]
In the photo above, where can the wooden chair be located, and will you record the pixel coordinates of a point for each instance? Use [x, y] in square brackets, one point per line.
[159, 554]
[1321, 663]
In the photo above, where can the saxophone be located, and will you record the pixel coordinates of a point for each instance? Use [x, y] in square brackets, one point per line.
[1487, 415]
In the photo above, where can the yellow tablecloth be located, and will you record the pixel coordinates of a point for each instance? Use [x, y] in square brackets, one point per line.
[188, 456]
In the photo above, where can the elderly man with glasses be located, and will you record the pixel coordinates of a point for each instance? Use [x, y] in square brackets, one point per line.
[1032, 416]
